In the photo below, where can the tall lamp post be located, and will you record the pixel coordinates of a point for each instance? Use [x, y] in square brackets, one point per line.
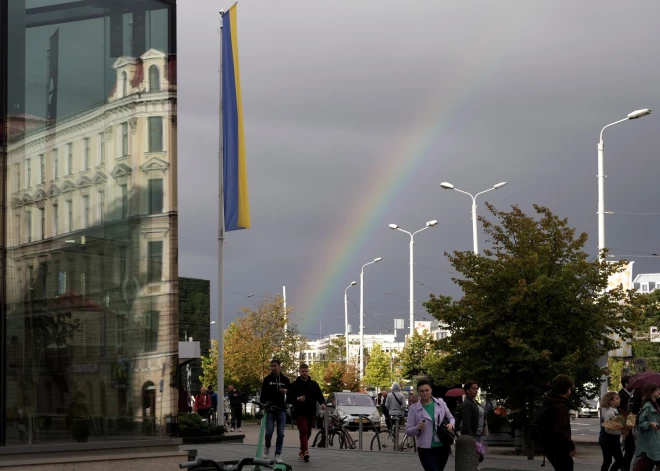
[601, 211]
[449, 186]
[375, 260]
[601, 180]
[412, 269]
[353, 283]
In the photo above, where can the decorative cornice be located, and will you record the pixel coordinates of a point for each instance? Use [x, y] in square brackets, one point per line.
[154, 163]
[121, 170]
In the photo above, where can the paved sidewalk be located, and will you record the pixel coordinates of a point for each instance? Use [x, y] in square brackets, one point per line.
[354, 460]
[589, 457]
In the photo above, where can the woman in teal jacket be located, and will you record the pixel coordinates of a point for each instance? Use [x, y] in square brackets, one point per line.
[647, 445]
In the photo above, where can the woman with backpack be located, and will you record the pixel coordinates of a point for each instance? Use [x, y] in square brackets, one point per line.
[610, 440]
[395, 403]
[647, 452]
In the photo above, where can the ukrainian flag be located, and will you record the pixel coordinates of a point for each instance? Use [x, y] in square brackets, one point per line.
[237, 206]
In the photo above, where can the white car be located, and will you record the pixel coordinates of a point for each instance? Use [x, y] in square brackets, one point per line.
[591, 409]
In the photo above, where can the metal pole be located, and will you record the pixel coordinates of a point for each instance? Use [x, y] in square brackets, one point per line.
[396, 434]
[286, 320]
[601, 201]
[221, 241]
[362, 325]
[346, 320]
[475, 241]
[360, 432]
[325, 426]
[412, 285]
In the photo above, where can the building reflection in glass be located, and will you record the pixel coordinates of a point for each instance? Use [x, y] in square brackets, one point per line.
[90, 274]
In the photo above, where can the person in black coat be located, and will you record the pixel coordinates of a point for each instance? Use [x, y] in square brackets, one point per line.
[304, 394]
[559, 446]
[273, 391]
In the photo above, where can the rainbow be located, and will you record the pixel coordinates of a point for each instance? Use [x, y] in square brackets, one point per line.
[404, 156]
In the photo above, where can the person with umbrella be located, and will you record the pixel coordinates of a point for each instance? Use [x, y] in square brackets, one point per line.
[647, 454]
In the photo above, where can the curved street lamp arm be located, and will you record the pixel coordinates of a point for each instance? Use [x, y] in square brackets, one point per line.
[464, 192]
[482, 192]
[611, 124]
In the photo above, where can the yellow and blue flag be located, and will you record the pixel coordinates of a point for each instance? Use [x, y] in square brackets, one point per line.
[237, 206]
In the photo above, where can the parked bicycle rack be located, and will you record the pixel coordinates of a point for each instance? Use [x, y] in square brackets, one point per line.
[360, 428]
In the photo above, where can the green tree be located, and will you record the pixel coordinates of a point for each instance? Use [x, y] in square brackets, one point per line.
[289, 352]
[378, 372]
[414, 354]
[642, 346]
[251, 341]
[533, 306]
[317, 373]
[333, 376]
[351, 376]
[336, 350]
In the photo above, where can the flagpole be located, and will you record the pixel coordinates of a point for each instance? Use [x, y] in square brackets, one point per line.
[221, 242]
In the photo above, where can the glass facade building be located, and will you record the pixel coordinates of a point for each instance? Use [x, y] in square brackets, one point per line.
[88, 196]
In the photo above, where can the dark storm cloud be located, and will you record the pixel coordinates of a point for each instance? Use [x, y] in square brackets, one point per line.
[332, 89]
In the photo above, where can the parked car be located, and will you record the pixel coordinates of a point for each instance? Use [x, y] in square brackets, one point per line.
[591, 409]
[351, 405]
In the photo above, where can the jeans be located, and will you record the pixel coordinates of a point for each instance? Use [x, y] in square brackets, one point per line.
[305, 425]
[433, 459]
[236, 416]
[611, 450]
[278, 416]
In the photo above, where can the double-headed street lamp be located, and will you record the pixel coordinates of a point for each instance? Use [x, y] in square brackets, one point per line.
[412, 269]
[353, 283]
[601, 180]
[362, 315]
[449, 186]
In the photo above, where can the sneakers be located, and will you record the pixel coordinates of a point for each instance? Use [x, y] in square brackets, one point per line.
[240, 429]
[278, 459]
[306, 457]
[231, 429]
[266, 453]
[301, 455]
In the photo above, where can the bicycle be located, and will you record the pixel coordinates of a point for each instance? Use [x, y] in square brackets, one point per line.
[336, 430]
[386, 439]
[202, 464]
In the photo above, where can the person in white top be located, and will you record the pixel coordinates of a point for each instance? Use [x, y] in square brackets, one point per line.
[610, 440]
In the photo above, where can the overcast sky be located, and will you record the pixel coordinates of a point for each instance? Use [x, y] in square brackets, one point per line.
[356, 111]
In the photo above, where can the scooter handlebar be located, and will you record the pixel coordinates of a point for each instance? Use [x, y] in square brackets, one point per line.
[189, 464]
[262, 462]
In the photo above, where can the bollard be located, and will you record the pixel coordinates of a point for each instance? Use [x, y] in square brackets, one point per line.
[325, 428]
[396, 434]
[360, 428]
[466, 453]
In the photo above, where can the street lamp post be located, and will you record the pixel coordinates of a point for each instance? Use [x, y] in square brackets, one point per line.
[353, 283]
[449, 186]
[412, 269]
[601, 180]
[362, 316]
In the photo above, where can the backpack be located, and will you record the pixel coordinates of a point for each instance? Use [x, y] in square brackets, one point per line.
[244, 398]
[541, 425]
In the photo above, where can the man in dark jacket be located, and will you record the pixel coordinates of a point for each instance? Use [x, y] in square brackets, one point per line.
[629, 441]
[236, 405]
[558, 446]
[303, 395]
[273, 391]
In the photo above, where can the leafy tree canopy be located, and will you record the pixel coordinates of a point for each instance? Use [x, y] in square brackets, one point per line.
[534, 305]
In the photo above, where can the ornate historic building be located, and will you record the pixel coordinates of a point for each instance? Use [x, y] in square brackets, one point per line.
[89, 199]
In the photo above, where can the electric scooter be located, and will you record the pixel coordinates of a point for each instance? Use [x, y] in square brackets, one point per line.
[262, 434]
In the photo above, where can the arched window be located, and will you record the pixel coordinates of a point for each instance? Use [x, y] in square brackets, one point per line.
[124, 84]
[154, 79]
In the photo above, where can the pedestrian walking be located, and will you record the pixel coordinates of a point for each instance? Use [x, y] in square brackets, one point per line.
[304, 396]
[610, 440]
[273, 391]
[236, 400]
[647, 453]
[424, 418]
[474, 421]
[395, 403]
[203, 403]
[629, 440]
[558, 444]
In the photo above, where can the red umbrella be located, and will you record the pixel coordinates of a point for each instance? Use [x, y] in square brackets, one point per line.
[456, 392]
[639, 380]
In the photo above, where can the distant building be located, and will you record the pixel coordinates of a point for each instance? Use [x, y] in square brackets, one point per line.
[646, 282]
[317, 350]
[195, 324]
